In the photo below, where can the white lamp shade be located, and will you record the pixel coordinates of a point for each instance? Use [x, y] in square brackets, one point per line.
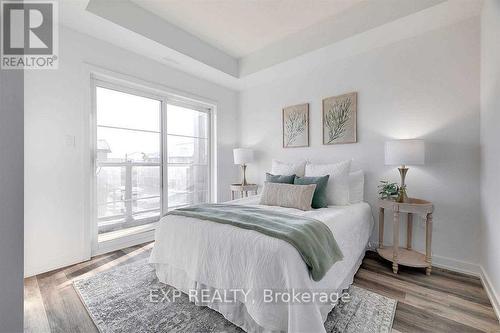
[405, 152]
[242, 155]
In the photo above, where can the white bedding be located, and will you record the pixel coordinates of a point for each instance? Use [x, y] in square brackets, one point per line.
[191, 254]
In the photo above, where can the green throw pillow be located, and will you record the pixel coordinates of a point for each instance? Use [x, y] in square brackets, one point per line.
[319, 198]
[279, 178]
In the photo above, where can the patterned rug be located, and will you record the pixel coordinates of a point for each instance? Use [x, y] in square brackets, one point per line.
[119, 300]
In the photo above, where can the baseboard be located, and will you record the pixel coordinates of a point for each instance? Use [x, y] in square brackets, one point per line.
[456, 265]
[54, 263]
[490, 290]
[446, 263]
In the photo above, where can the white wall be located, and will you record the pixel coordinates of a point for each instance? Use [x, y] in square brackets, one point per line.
[424, 87]
[490, 145]
[56, 200]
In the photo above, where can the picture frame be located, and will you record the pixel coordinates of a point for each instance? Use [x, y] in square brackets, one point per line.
[295, 126]
[340, 119]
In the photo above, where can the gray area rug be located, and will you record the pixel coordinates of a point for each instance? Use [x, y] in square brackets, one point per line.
[119, 301]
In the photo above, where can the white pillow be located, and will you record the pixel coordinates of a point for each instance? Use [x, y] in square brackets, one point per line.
[338, 183]
[287, 195]
[356, 186]
[288, 169]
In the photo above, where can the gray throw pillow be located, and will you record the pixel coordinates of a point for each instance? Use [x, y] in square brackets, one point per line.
[320, 198]
[287, 195]
[282, 179]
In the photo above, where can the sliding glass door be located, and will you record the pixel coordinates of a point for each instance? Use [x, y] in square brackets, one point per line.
[188, 155]
[128, 160]
[152, 155]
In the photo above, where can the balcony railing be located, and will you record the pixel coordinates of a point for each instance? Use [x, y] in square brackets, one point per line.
[126, 198]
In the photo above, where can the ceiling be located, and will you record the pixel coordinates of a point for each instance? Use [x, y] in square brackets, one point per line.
[284, 37]
[241, 27]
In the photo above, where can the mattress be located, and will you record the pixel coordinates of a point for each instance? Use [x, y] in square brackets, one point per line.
[251, 270]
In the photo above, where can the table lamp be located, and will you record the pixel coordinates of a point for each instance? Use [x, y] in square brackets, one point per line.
[403, 153]
[242, 156]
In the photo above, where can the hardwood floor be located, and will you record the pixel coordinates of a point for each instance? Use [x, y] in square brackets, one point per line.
[443, 302]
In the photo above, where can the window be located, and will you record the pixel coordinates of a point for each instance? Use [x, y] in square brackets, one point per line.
[152, 155]
[128, 160]
[188, 156]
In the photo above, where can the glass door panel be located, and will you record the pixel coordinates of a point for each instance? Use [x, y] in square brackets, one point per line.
[188, 156]
[128, 160]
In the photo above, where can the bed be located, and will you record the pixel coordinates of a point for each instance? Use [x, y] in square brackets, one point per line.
[248, 270]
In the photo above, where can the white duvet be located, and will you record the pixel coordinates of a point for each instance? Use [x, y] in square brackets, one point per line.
[194, 255]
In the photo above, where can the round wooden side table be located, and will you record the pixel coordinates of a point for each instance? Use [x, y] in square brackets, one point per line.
[243, 189]
[400, 255]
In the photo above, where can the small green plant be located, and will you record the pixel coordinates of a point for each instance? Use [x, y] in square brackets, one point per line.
[388, 190]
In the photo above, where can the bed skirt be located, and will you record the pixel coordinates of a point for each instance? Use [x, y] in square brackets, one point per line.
[233, 307]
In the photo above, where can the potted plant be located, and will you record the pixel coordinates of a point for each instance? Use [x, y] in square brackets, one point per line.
[388, 190]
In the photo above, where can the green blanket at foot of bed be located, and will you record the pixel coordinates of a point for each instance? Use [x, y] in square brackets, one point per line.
[312, 238]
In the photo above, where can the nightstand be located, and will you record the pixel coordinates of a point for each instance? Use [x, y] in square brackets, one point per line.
[400, 255]
[243, 189]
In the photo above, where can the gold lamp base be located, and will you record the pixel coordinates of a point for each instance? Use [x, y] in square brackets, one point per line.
[402, 196]
[244, 180]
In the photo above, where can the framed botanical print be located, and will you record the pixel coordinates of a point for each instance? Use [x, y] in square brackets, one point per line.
[339, 119]
[296, 126]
